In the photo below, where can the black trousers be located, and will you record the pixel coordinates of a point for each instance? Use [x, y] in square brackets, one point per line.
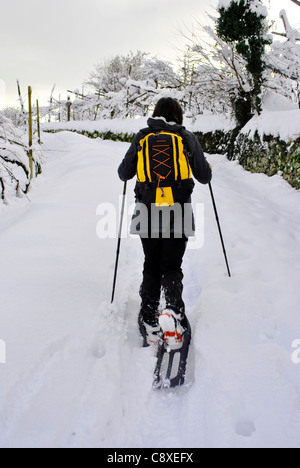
[162, 273]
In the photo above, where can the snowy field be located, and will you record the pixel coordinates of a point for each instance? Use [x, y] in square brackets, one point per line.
[76, 375]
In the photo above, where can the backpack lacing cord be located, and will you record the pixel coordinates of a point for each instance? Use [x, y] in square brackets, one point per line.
[161, 163]
[160, 178]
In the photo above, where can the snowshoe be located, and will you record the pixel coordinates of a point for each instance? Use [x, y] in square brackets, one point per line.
[173, 349]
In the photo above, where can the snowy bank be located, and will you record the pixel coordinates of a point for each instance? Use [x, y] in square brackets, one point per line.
[283, 124]
[280, 118]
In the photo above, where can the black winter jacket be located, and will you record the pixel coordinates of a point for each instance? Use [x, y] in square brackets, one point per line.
[200, 167]
[149, 223]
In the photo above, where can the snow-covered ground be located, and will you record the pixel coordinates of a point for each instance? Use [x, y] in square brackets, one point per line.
[76, 375]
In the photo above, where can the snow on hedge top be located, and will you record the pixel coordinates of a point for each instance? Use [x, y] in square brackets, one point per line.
[276, 102]
[280, 117]
[117, 126]
[285, 125]
[210, 123]
[203, 123]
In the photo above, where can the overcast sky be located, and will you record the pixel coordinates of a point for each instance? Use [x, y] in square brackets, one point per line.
[59, 41]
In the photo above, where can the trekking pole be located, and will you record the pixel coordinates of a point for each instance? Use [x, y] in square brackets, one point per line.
[219, 227]
[119, 243]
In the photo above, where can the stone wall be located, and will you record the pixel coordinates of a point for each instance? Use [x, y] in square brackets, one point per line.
[270, 155]
[124, 137]
[267, 154]
[216, 142]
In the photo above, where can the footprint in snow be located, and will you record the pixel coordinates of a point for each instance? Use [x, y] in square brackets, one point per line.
[245, 428]
[99, 350]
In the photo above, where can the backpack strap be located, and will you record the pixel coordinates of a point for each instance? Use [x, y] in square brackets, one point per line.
[143, 170]
[185, 149]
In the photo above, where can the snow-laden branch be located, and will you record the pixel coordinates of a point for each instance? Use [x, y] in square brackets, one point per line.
[284, 57]
[14, 159]
[291, 33]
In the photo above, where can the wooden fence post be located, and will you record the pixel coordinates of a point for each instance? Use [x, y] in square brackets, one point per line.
[30, 132]
[38, 120]
[69, 104]
[20, 97]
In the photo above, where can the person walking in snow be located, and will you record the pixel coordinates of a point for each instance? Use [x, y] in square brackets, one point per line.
[163, 156]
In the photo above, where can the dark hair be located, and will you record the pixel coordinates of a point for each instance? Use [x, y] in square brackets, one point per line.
[170, 109]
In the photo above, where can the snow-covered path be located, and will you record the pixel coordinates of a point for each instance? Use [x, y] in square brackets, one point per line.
[75, 374]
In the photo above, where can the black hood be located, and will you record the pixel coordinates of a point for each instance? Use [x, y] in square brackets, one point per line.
[161, 124]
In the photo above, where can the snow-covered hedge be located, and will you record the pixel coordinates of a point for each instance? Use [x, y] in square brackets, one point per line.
[14, 160]
[269, 143]
[279, 118]
[202, 123]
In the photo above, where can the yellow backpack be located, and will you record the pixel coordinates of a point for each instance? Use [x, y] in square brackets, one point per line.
[162, 161]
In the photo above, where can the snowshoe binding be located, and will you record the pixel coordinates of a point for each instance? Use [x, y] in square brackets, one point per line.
[150, 332]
